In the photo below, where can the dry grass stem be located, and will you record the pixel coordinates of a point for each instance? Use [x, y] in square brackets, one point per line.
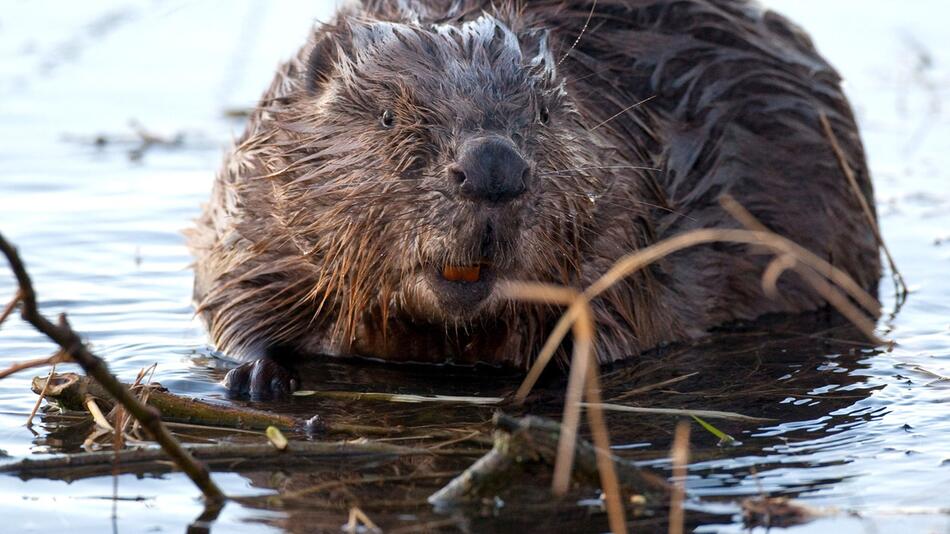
[357, 516]
[813, 269]
[583, 347]
[680, 457]
[583, 377]
[899, 285]
[605, 464]
[816, 271]
[651, 387]
[774, 271]
[361, 480]
[708, 414]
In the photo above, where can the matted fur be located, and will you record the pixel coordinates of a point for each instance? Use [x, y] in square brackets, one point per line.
[323, 222]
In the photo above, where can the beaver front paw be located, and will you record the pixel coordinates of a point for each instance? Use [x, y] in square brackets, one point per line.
[262, 379]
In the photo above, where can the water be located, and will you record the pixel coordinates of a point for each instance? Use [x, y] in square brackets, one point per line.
[99, 227]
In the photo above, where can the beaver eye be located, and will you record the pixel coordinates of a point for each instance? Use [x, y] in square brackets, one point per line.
[543, 116]
[387, 119]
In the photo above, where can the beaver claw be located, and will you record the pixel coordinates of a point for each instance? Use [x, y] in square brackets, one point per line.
[261, 379]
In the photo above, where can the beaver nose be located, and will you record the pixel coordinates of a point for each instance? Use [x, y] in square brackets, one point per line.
[489, 169]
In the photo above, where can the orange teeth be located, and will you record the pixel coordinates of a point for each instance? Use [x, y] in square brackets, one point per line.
[470, 273]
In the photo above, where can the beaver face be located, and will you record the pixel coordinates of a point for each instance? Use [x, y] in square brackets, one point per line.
[427, 162]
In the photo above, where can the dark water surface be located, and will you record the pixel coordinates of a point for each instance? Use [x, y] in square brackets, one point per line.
[98, 221]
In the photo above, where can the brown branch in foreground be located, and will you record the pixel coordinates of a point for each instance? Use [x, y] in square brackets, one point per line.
[899, 285]
[64, 336]
[224, 456]
[71, 389]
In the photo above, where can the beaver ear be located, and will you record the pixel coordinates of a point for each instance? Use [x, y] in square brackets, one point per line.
[535, 46]
[331, 44]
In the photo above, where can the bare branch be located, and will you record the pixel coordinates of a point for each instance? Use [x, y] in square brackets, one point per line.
[64, 336]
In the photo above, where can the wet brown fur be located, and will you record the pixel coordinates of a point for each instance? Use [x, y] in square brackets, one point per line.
[321, 220]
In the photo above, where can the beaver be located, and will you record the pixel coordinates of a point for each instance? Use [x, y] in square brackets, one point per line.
[416, 152]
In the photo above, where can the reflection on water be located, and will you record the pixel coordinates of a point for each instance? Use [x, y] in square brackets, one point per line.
[97, 211]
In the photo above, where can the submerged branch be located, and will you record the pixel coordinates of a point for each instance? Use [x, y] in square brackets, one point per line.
[536, 440]
[223, 457]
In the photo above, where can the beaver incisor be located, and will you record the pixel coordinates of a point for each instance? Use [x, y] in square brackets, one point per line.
[414, 153]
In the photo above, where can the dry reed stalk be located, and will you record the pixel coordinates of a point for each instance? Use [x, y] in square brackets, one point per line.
[579, 317]
[605, 465]
[900, 286]
[583, 378]
[357, 516]
[679, 454]
[814, 269]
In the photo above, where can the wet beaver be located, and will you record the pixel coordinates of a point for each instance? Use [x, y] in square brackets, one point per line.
[414, 153]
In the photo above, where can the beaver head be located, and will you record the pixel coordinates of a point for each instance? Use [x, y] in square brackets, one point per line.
[415, 166]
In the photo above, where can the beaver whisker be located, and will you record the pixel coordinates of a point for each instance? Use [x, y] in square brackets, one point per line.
[622, 112]
[579, 35]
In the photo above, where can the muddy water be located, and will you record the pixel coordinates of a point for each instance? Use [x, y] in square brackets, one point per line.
[97, 216]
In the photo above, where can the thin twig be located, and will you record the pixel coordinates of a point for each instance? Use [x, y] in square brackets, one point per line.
[39, 362]
[815, 274]
[641, 390]
[605, 465]
[532, 439]
[582, 378]
[708, 414]
[8, 309]
[579, 366]
[63, 335]
[899, 285]
[39, 399]
[357, 516]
